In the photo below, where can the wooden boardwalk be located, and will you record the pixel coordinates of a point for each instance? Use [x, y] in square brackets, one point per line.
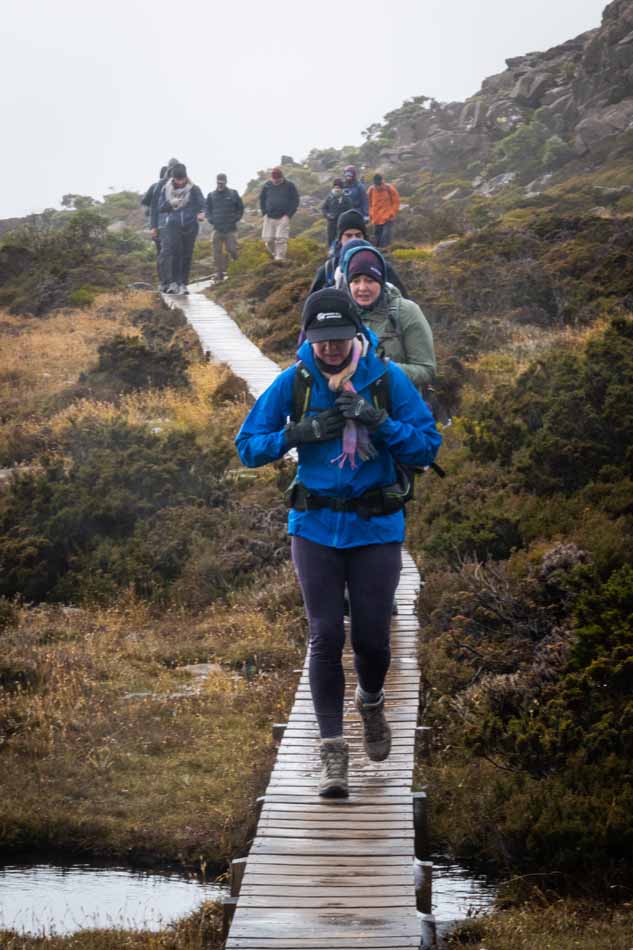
[329, 873]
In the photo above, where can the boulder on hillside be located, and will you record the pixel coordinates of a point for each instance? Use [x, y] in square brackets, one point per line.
[602, 124]
[532, 86]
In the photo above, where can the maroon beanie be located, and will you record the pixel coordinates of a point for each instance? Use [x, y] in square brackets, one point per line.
[367, 263]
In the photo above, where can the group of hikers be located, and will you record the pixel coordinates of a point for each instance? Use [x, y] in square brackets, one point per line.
[352, 408]
[175, 206]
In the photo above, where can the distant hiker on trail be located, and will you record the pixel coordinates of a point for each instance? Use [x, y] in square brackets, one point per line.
[146, 202]
[403, 333]
[350, 226]
[384, 204]
[278, 201]
[224, 209]
[177, 207]
[355, 190]
[346, 519]
[334, 206]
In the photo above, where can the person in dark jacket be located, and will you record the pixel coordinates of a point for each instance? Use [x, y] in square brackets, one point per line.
[333, 207]
[351, 226]
[278, 201]
[176, 209]
[224, 209]
[346, 520]
[146, 202]
[355, 191]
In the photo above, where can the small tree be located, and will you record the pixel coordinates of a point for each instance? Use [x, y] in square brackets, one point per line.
[78, 202]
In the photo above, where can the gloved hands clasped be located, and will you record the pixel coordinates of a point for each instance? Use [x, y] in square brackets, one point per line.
[324, 426]
[353, 406]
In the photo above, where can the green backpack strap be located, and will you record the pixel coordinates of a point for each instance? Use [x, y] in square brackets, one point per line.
[301, 392]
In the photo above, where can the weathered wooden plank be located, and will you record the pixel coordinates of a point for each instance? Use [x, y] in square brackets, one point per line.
[329, 903]
[265, 844]
[288, 881]
[316, 943]
[337, 889]
[331, 862]
[333, 922]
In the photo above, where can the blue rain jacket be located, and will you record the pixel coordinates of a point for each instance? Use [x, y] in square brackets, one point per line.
[409, 435]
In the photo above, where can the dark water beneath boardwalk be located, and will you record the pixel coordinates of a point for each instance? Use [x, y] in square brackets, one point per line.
[458, 893]
[51, 899]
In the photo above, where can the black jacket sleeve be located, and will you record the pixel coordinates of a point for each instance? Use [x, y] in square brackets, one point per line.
[394, 278]
[239, 207]
[294, 199]
[262, 198]
[197, 200]
[319, 280]
[147, 198]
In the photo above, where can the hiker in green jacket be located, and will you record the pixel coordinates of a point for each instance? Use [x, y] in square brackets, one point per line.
[404, 335]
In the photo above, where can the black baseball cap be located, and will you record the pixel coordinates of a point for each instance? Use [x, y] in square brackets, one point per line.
[329, 314]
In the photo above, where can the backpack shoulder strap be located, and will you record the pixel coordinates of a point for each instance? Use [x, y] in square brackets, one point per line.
[381, 392]
[329, 272]
[301, 391]
[394, 314]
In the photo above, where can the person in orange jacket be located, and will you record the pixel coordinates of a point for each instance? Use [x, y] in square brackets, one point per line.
[384, 204]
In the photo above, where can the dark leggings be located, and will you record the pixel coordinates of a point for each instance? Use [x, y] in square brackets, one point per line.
[371, 573]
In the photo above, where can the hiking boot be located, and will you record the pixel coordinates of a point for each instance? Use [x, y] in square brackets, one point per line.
[183, 289]
[377, 732]
[334, 765]
[173, 289]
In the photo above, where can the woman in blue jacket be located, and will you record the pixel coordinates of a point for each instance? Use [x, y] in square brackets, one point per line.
[346, 517]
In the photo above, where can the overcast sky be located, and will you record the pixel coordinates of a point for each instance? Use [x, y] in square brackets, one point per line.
[97, 95]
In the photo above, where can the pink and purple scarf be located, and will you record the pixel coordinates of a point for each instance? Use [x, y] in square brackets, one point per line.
[356, 441]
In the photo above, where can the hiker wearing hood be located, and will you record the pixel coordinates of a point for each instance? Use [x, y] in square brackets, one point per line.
[176, 210]
[333, 207]
[384, 204]
[350, 226]
[346, 517]
[355, 191]
[404, 335]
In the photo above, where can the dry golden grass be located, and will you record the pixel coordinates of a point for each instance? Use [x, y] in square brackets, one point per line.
[202, 930]
[125, 754]
[563, 925]
[43, 356]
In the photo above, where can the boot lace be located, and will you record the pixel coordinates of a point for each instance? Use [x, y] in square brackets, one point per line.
[335, 761]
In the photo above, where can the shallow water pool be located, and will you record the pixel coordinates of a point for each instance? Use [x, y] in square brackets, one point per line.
[47, 899]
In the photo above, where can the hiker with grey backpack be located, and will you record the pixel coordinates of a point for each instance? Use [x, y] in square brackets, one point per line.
[353, 419]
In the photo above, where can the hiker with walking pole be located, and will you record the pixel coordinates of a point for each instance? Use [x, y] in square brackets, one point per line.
[354, 420]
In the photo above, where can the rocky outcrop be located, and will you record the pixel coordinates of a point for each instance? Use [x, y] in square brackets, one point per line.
[580, 92]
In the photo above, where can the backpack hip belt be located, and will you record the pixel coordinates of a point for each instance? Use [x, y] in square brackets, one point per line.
[385, 500]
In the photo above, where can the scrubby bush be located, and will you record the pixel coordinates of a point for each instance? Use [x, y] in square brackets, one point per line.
[115, 476]
[131, 364]
[568, 419]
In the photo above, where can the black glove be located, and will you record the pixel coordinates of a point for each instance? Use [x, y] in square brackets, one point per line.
[320, 428]
[353, 406]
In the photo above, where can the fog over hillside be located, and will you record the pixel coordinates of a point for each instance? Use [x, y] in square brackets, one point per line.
[98, 98]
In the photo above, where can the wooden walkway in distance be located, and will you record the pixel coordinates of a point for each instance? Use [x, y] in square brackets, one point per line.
[329, 874]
